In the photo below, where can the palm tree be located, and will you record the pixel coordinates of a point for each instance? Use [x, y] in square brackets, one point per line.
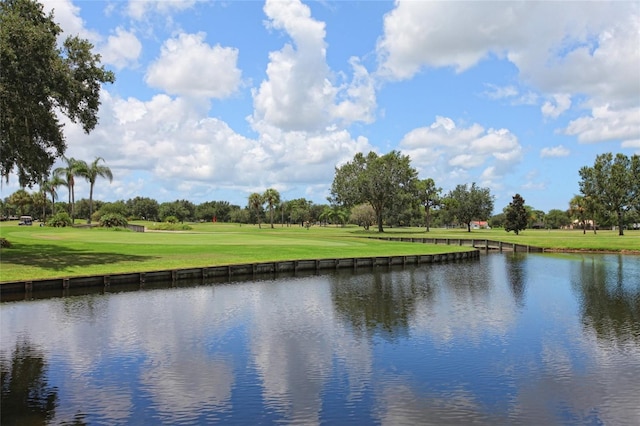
[255, 202]
[91, 173]
[49, 186]
[272, 198]
[577, 209]
[74, 168]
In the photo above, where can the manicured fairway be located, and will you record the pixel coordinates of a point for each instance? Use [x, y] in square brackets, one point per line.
[63, 252]
[38, 253]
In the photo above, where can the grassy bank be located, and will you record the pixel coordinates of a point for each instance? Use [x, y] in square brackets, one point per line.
[38, 253]
[604, 240]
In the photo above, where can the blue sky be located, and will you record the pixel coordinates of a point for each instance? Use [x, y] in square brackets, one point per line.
[215, 100]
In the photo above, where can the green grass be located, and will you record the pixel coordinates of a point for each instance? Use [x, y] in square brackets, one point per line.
[604, 240]
[39, 253]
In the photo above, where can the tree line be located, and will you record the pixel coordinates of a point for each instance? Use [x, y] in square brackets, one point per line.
[372, 189]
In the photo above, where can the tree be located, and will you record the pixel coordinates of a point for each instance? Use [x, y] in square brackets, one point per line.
[50, 186]
[255, 204]
[180, 209]
[612, 183]
[91, 173]
[272, 198]
[382, 181]
[143, 208]
[557, 218]
[363, 215]
[38, 83]
[577, 210]
[21, 199]
[516, 216]
[429, 196]
[468, 204]
[299, 210]
[73, 169]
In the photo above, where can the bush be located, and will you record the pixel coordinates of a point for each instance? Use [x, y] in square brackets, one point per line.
[170, 227]
[171, 219]
[60, 220]
[113, 220]
[4, 243]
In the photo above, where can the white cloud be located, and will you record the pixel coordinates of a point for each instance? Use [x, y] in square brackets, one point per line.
[121, 49]
[189, 66]
[174, 144]
[561, 49]
[448, 152]
[67, 15]
[138, 9]
[605, 124]
[357, 101]
[298, 94]
[555, 151]
[500, 92]
[561, 103]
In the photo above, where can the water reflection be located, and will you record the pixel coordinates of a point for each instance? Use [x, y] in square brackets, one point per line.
[610, 297]
[27, 398]
[509, 339]
[516, 270]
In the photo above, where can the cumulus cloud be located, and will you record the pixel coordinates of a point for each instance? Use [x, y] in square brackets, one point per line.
[189, 66]
[67, 15]
[450, 151]
[298, 94]
[138, 9]
[121, 49]
[562, 50]
[171, 139]
[555, 151]
[560, 103]
[606, 123]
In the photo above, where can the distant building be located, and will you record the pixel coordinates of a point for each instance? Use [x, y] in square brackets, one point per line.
[480, 224]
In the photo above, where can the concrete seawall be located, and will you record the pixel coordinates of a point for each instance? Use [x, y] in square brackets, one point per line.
[229, 272]
[482, 244]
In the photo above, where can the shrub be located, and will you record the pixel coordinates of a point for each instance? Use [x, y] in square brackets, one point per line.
[60, 220]
[113, 220]
[171, 219]
[170, 227]
[4, 243]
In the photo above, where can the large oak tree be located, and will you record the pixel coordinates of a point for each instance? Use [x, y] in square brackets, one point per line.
[469, 203]
[39, 81]
[613, 183]
[381, 181]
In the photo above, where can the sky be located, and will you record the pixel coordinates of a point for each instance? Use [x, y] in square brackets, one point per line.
[214, 100]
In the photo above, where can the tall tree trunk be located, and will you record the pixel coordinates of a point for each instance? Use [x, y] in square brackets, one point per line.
[468, 226]
[379, 218]
[90, 203]
[620, 224]
[428, 216]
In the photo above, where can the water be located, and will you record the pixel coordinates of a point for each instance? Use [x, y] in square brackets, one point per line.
[510, 339]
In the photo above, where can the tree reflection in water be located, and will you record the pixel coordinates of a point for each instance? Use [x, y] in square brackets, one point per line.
[375, 303]
[516, 263]
[610, 301]
[27, 398]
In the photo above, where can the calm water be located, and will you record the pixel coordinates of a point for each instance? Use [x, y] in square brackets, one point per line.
[509, 339]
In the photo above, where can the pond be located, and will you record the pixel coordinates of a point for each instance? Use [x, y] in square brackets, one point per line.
[507, 339]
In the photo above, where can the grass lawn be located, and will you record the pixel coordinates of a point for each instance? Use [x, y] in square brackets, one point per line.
[38, 253]
[604, 240]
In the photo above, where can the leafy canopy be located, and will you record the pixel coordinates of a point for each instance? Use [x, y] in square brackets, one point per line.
[384, 182]
[38, 81]
[516, 216]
